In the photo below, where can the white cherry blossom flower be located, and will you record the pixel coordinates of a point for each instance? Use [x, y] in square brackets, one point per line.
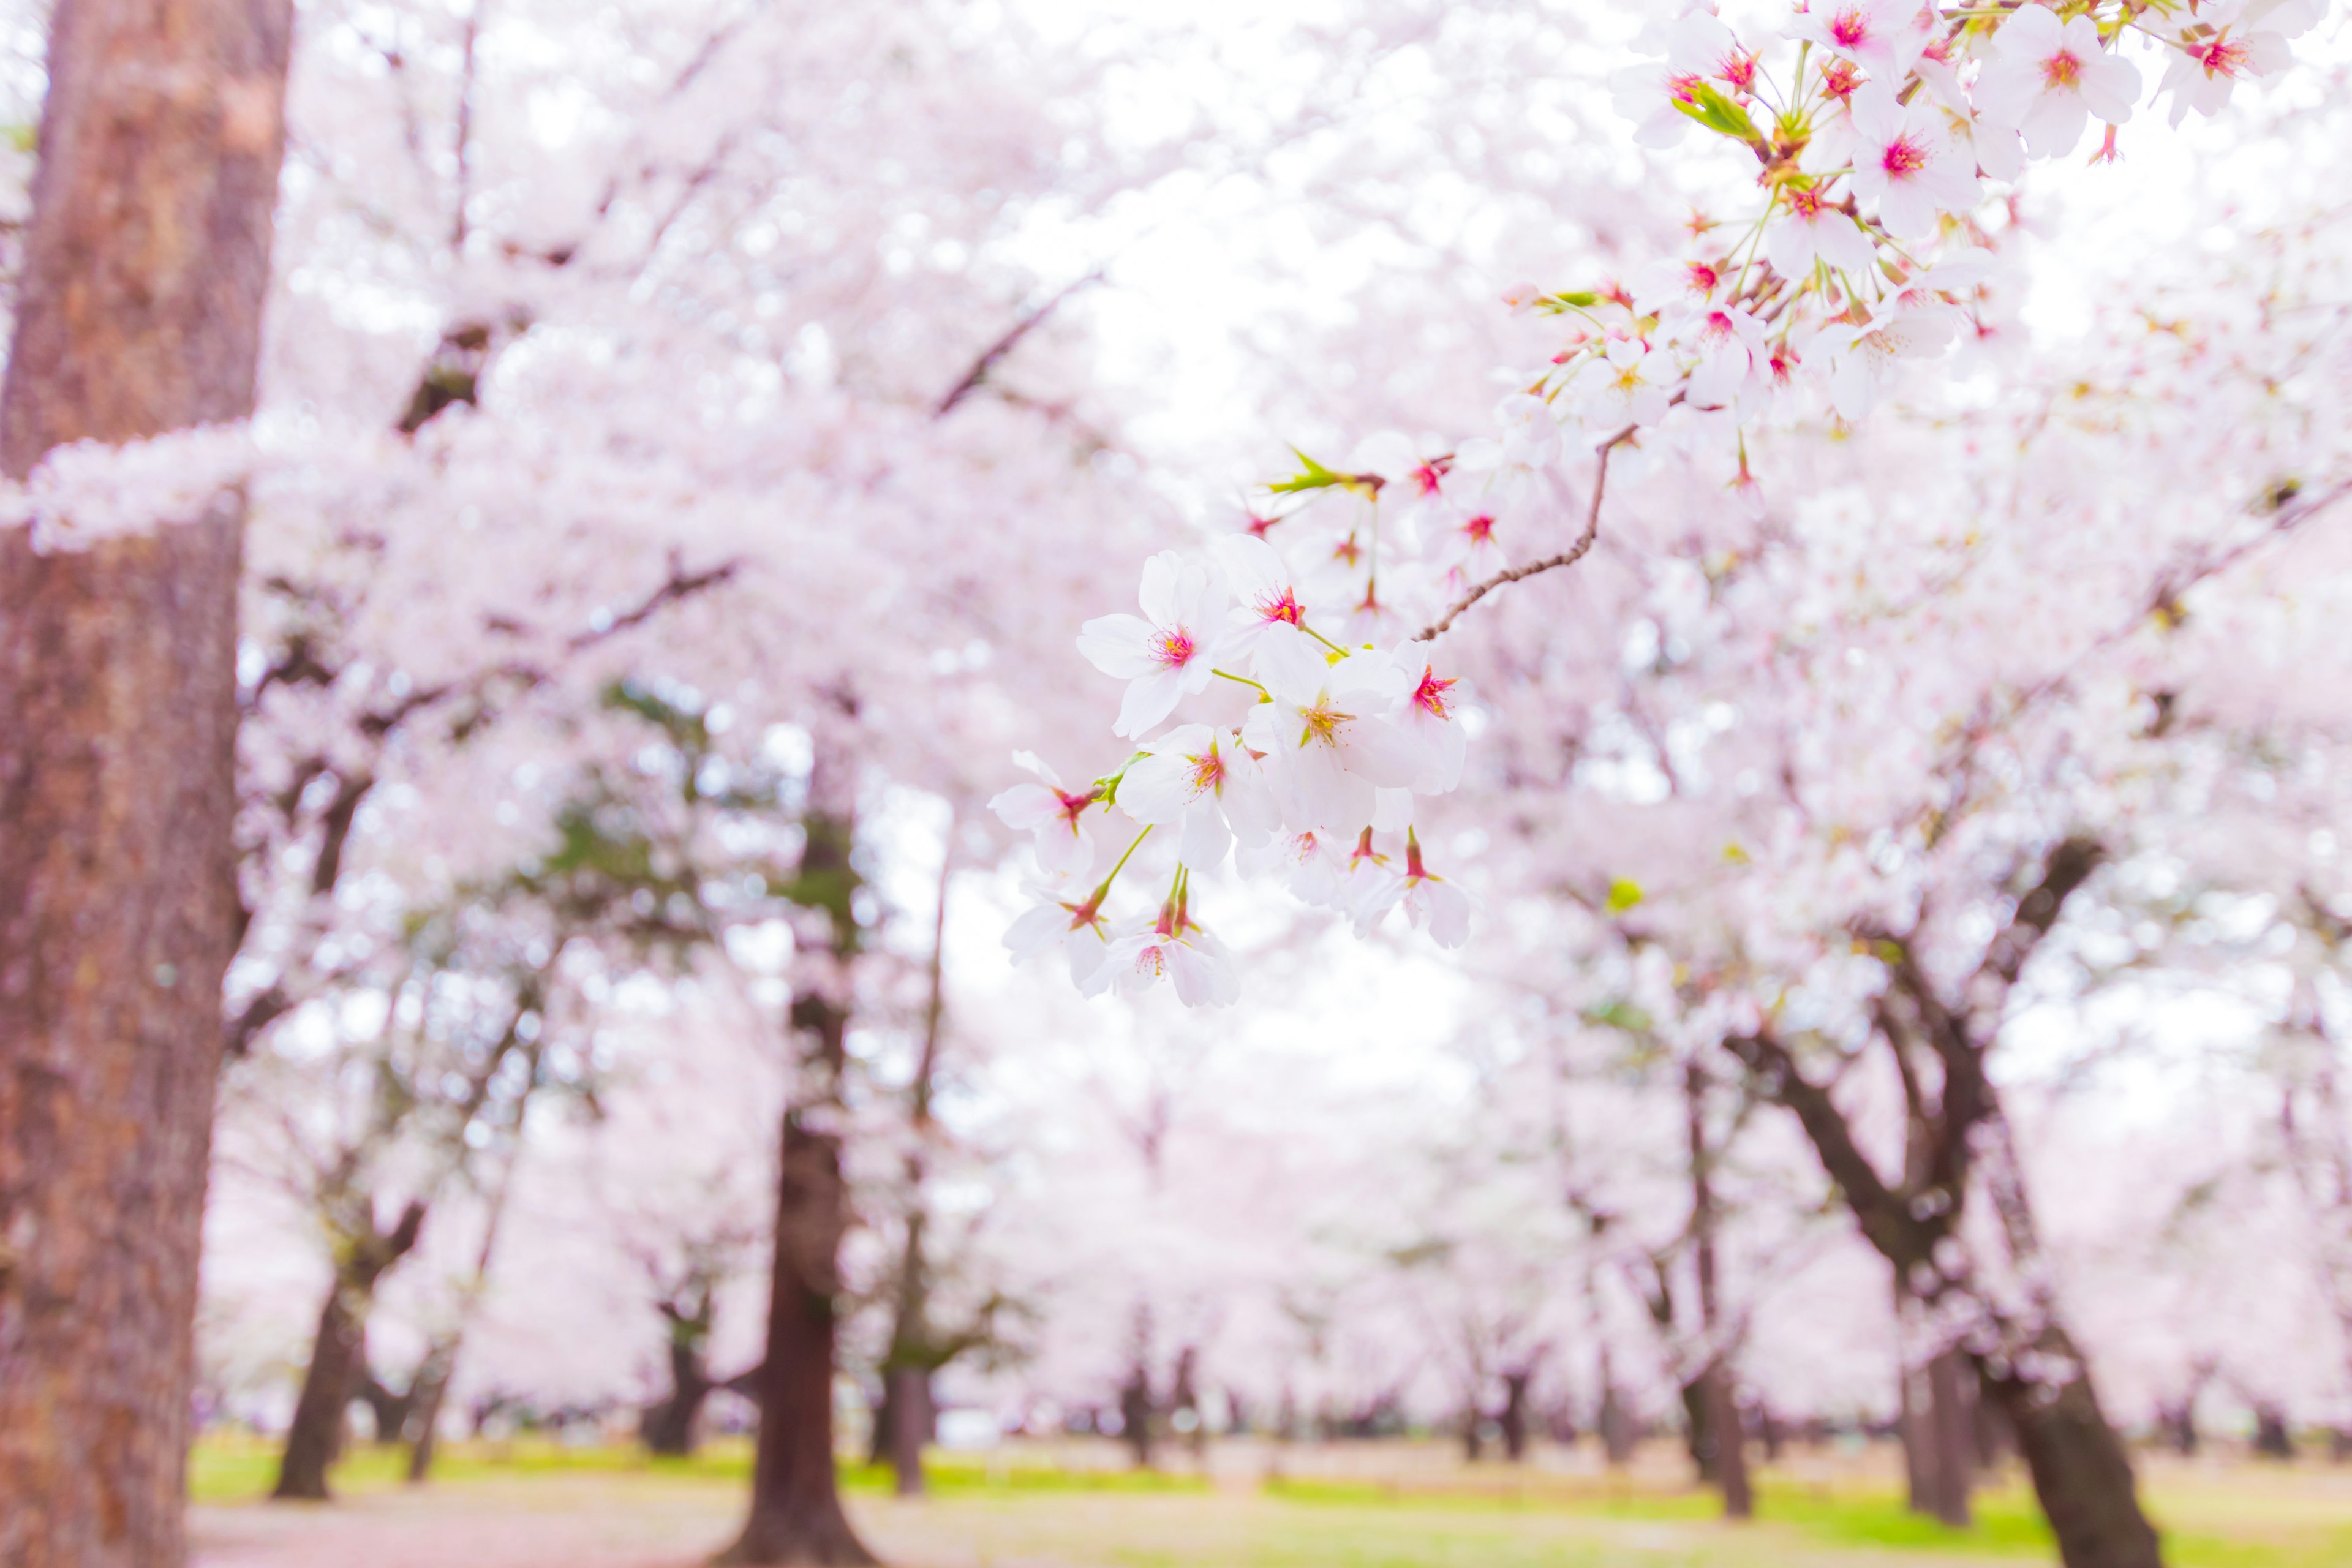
[1728, 343]
[1329, 746]
[1266, 621]
[1309, 863]
[1167, 653]
[1201, 779]
[1699, 49]
[1078, 926]
[1175, 950]
[1907, 161]
[1053, 814]
[1464, 546]
[1431, 719]
[1626, 385]
[1814, 228]
[2047, 77]
[1862, 358]
[1884, 36]
[1432, 902]
[2221, 46]
[1678, 285]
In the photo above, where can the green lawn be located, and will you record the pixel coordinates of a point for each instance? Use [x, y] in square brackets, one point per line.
[1422, 1511]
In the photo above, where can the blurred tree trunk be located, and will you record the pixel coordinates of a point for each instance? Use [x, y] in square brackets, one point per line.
[796, 1515]
[671, 1427]
[903, 1421]
[138, 311]
[1612, 1421]
[1514, 1418]
[315, 1437]
[2034, 1376]
[1726, 1440]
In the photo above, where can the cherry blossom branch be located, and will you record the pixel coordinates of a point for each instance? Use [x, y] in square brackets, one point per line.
[1568, 557]
[996, 350]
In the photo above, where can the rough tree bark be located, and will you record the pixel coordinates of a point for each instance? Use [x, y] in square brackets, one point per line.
[315, 1437]
[796, 1514]
[2026, 1364]
[138, 311]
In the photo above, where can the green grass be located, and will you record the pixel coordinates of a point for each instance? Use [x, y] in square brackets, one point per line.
[1492, 1517]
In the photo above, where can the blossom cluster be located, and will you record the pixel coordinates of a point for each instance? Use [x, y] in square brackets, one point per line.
[1873, 126]
[1323, 763]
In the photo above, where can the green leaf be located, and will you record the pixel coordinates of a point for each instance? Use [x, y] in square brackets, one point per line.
[1624, 894]
[1574, 299]
[1717, 113]
[1314, 476]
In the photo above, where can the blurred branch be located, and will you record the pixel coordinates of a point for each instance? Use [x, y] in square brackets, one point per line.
[1008, 342]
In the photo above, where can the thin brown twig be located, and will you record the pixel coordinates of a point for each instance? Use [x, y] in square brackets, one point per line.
[1568, 557]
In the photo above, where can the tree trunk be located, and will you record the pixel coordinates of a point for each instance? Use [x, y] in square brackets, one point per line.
[315, 1439]
[1698, 1436]
[2272, 1439]
[1730, 1444]
[1513, 1419]
[138, 311]
[1952, 1419]
[672, 1426]
[1614, 1426]
[2081, 1474]
[909, 1404]
[796, 1515]
[427, 1392]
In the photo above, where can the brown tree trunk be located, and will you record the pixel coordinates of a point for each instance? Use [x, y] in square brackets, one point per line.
[314, 1441]
[672, 1426]
[1612, 1423]
[138, 311]
[1952, 1415]
[1730, 1444]
[1513, 1417]
[909, 1405]
[796, 1515]
[1725, 1444]
[2080, 1473]
[427, 1395]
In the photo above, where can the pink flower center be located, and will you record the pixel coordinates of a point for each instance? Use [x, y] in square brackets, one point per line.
[1426, 477]
[1364, 851]
[1348, 551]
[2224, 57]
[1737, 68]
[1173, 648]
[1683, 88]
[1481, 528]
[1283, 606]
[1074, 806]
[1805, 204]
[1260, 526]
[1905, 156]
[1701, 278]
[2061, 70]
[1430, 696]
[1840, 78]
[1849, 29]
